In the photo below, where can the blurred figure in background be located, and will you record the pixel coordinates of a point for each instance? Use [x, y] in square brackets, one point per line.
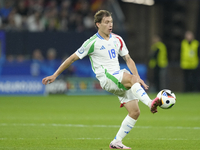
[6, 9]
[14, 21]
[51, 62]
[36, 65]
[189, 61]
[2, 60]
[10, 58]
[34, 22]
[20, 58]
[158, 62]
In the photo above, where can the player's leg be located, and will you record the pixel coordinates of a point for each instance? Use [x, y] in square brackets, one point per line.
[127, 124]
[130, 81]
[130, 120]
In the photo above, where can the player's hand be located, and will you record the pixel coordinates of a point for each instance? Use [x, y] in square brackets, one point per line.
[48, 80]
[143, 84]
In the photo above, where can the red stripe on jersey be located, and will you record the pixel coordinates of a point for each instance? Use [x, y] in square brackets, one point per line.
[119, 40]
[120, 43]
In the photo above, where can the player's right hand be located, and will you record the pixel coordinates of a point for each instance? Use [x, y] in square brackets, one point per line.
[48, 80]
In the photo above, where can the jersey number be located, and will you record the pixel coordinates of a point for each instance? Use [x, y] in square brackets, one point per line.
[112, 53]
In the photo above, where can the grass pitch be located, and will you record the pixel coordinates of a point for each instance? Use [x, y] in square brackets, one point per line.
[90, 123]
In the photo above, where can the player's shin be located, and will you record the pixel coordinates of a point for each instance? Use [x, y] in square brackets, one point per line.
[140, 93]
[126, 126]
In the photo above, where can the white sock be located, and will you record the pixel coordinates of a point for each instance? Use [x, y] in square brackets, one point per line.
[139, 92]
[126, 126]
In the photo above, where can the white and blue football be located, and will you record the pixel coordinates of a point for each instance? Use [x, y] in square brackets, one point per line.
[168, 99]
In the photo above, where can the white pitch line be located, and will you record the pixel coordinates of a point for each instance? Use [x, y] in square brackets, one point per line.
[96, 126]
[160, 139]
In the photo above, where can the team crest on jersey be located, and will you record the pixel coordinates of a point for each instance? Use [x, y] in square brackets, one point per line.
[81, 50]
[115, 43]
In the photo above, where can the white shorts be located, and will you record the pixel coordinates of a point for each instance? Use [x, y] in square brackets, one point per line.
[112, 84]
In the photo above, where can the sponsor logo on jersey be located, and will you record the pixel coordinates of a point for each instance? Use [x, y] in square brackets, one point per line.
[81, 50]
[102, 47]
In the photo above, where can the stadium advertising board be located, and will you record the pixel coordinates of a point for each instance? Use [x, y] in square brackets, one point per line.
[84, 86]
[28, 85]
[21, 85]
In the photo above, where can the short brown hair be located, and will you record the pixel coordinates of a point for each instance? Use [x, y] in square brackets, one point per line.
[99, 16]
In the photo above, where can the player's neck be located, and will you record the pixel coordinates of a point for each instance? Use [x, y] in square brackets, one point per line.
[103, 35]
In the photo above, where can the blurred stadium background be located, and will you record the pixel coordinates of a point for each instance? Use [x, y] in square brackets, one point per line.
[37, 35]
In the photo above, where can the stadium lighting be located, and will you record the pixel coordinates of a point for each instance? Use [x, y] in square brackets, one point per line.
[143, 2]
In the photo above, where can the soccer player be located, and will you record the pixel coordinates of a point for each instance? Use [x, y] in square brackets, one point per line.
[103, 49]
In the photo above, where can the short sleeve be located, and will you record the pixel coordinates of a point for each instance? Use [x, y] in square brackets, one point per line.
[82, 51]
[123, 49]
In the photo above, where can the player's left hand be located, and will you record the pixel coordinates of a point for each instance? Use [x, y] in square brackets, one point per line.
[143, 84]
[48, 80]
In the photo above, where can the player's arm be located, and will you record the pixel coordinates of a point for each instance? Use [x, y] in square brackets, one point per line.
[61, 68]
[131, 65]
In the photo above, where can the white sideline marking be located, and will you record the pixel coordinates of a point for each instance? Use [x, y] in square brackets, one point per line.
[97, 126]
[161, 139]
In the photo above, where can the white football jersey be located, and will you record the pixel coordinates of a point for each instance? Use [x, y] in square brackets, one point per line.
[103, 54]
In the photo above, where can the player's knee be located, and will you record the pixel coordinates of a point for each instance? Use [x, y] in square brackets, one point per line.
[134, 114]
[133, 79]
[128, 80]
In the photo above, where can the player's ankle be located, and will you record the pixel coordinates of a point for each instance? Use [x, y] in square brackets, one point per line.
[149, 104]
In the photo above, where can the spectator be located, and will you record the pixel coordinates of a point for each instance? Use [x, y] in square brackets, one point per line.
[21, 8]
[189, 61]
[23, 11]
[52, 15]
[34, 22]
[88, 22]
[52, 25]
[20, 58]
[66, 5]
[64, 20]
[2, 61]
[37, 65]
[51, 63]
[35, 5]
[10, 59]
[5, 11]
[14, 21]
[158, 62]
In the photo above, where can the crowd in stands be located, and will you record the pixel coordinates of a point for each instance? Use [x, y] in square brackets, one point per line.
[48, 15]
[39, 16]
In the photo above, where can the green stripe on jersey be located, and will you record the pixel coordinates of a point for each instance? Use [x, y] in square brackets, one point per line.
[90, 40]
[111, 77]
[91, 48]
[90, 51]
[92, 63]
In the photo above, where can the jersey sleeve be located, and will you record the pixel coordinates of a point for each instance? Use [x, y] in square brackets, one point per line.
[123, 49]
[83, 50]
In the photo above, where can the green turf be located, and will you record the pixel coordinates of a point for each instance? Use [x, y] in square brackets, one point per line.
[90, 122]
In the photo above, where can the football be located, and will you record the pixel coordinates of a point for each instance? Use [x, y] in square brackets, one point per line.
[168, 99]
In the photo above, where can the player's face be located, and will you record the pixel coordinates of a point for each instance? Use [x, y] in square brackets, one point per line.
[105, 27]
